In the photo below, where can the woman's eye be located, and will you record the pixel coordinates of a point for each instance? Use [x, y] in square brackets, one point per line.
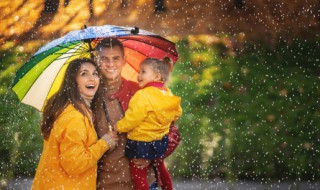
[95, 74]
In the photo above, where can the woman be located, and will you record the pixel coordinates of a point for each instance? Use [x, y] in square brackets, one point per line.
[71, 147]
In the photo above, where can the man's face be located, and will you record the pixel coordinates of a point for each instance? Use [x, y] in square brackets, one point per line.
[111, 62]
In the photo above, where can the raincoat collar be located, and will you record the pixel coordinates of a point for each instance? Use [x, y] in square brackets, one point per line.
[159, 85]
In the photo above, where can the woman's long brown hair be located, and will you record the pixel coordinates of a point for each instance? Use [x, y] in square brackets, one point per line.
[68, 93]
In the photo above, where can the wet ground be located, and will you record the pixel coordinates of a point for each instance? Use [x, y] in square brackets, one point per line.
[245, 185]
[23, 184]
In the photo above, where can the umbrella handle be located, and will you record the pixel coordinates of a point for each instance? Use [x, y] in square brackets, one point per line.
[110, 127]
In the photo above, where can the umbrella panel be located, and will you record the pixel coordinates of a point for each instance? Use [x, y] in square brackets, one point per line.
[45, 78]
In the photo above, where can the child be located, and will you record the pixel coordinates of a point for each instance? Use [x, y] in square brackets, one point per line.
[147, 121]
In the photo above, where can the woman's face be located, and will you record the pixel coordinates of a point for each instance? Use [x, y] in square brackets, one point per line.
[87, 80]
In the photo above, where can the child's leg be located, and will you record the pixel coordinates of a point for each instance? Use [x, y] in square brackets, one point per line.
[164, 175]
[139, 176]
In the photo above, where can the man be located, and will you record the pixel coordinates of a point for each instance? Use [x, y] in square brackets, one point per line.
[113, 171]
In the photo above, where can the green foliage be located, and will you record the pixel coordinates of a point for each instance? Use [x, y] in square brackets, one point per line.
[11, 60]
[19, 125]
[253, 115]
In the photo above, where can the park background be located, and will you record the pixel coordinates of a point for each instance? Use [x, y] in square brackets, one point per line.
[248, 75]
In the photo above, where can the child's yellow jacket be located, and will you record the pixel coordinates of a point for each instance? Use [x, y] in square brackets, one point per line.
[70, 155]
[150, 113]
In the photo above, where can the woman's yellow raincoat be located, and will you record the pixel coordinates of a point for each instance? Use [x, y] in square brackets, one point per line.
[70, 155]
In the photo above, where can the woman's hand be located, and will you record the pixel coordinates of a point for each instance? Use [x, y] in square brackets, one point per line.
[114, 135]
[111, 138]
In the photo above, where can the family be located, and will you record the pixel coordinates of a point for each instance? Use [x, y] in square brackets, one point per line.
[102, 131]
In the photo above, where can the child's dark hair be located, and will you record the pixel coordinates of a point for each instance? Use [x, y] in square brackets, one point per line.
[164, 66]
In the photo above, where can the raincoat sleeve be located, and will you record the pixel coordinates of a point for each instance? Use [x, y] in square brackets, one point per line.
[135, 113]
[76, 156]
[178, 114]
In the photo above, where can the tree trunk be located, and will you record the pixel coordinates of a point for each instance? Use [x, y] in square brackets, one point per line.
[124, 4]
[66, 2]
[318, 13]
[91, 8]
[239, 4]
[159, 6]
[51, 5]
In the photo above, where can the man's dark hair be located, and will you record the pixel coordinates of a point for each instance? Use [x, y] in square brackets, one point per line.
[110, 43]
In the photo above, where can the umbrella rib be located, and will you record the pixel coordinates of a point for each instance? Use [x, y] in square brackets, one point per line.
[75, 54]
[72, 43]
[72, 53]
[133, 67]
[85, 50]
[60, 46]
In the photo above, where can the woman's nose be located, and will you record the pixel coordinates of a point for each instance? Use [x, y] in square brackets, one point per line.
[91, 77]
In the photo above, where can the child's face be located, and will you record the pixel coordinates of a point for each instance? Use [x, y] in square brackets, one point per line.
[147, 75]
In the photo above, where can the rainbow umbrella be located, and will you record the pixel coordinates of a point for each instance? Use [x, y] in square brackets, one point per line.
[39, 78]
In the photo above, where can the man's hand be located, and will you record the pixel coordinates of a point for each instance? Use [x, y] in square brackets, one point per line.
[141, 163]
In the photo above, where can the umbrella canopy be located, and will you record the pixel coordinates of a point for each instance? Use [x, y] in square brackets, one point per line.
[39, 78]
